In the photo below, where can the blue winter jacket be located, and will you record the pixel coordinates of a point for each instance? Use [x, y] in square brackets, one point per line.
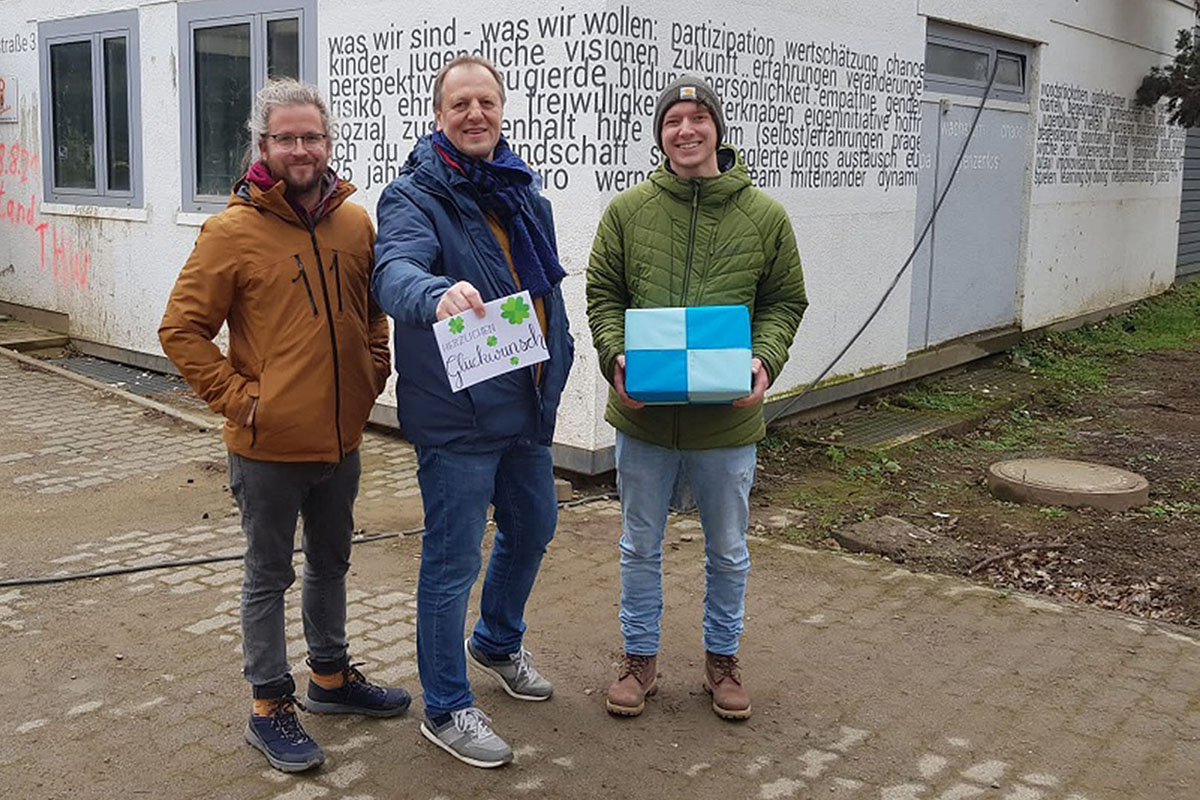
[433, 234]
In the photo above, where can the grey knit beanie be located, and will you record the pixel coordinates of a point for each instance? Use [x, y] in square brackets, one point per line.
[688, 87]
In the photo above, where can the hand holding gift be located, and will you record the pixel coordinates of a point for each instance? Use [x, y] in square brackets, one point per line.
[760, 382]
[619, 385]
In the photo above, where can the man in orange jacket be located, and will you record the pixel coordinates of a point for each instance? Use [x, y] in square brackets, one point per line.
[287, 265]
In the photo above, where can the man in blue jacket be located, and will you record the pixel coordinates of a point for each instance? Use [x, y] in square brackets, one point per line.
[462, 225]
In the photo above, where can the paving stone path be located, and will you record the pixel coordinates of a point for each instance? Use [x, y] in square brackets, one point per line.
[870, 682]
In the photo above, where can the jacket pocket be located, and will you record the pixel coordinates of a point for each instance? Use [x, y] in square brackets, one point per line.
[336, 270]
[505, 405]
[302, 275]
[349, 271]
[360, 379]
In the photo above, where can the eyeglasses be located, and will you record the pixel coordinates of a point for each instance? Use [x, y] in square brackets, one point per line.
[287, 140]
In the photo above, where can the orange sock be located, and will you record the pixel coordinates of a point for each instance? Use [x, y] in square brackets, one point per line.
[332, 681]
[264, 706]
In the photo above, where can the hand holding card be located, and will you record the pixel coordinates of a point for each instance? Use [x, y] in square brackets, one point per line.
[506, 338]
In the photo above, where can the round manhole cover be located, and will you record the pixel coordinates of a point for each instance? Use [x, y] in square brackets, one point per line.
[1062, 482]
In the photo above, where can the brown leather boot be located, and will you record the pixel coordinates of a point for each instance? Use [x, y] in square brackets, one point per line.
[723, 680]
[636, 680]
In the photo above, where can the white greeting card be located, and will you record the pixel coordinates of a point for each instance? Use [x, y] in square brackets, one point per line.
[508, 337]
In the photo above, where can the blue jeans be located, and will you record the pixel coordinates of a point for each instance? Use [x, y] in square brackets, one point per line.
[456, 489]
[271, 494]
[720, 479]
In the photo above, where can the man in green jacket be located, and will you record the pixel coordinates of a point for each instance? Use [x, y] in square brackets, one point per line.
[695, 233]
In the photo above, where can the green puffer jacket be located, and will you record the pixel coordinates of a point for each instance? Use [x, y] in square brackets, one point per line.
[672, 241]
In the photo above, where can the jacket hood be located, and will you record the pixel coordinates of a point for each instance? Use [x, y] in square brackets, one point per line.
[427, 167]
[419, 156]
[249, 191]
[717, 189]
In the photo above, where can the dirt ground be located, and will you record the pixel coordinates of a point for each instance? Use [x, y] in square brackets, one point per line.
[1145, 562]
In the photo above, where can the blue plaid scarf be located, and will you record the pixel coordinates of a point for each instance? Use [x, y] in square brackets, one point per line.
[503, 185]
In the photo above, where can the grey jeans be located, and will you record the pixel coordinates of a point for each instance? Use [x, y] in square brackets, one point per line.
[270, 495]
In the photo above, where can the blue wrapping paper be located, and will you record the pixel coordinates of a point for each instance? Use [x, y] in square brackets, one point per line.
[687, 355]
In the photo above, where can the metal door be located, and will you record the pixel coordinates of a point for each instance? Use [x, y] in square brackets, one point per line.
[965, 274]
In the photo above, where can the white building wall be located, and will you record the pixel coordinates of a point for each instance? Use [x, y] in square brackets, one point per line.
[1087, 247]
[132, 255]
[1094, 246]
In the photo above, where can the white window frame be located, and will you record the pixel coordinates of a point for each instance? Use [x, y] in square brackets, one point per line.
[95, 29]
[201, 14]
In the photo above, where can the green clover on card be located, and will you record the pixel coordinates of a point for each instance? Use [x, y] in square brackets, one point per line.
[491, 341]
[514, 310]
[456, 325]
[514, 361]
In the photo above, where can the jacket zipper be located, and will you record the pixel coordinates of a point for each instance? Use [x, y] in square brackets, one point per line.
[471, 239]
[537, 389]
[687, 268]
[337, 277]
[307, 287]
[479, 255]
[687, 274]
[436, 192]
[337, 373]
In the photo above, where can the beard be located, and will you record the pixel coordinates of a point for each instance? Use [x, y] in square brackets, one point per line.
[295, 188]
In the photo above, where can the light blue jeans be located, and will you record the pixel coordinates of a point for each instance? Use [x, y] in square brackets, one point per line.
[720, 479]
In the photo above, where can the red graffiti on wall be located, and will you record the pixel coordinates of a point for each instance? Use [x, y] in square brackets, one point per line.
[65, 260]
[17, 160]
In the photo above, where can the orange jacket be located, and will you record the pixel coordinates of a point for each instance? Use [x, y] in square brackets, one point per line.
[305, 338]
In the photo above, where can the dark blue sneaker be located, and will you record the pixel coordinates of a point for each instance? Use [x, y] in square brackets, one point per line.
[356, 695]
[282, 740]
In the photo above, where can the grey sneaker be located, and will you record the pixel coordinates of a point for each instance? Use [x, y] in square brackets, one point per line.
[468, 736]
[515, 673]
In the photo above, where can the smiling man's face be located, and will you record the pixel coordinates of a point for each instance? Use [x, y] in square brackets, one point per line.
[301, 167]
[689, 137]
[471, 111]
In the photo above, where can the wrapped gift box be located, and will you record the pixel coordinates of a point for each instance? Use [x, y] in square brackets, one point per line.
[687, 355]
